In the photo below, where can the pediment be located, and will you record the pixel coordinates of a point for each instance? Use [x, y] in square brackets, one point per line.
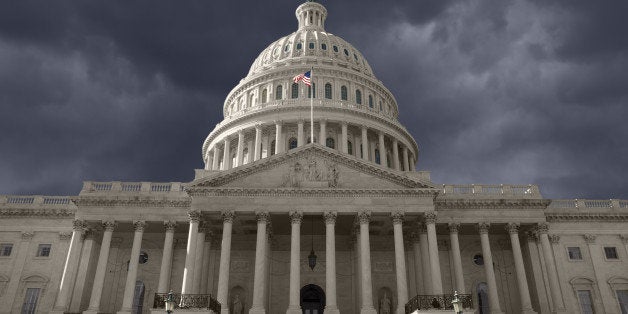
[310, 167]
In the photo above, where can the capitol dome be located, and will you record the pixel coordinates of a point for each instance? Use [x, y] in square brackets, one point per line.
[353, 112]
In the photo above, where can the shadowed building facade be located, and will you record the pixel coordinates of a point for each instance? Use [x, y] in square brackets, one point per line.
[296, 213]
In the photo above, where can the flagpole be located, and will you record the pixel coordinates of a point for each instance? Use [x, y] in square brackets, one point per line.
[312, 105]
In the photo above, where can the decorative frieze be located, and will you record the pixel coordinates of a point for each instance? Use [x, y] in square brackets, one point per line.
[590, 217]
[499, 203]
[315, 192]
[131, 202]
[37, 212]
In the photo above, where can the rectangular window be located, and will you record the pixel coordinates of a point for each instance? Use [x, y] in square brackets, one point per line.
[574, 253]
[586, 304]
[610, 252]
[30, 301]
[622, 298]
[5, 249]
[43, 250]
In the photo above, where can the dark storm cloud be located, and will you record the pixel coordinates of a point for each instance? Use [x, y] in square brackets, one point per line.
[493, 91]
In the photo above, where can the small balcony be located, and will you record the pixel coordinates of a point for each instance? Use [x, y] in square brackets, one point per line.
[438, 303]
[187, 303]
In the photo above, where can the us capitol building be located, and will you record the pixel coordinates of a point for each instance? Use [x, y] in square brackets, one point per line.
[285, 220]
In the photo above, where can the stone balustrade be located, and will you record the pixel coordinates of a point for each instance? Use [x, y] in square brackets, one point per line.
[137, 187]
[34, 200]
[584, 203]
[487, 190]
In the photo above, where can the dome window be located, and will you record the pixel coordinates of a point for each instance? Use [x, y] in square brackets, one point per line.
[380, 106]
[311, 45]
[343, 93]
[358, 97]
[328, 91]
[264, 96]
[295, 90]
[286, 48]
[377, 157]
[335, 48]
[278, 92]
[292, 143]
[346, 52]
[324, 46]
[309, 91]
[349, 147]
[272, 147]
[299, 46]
[355, 57]
[371, 101]
[330, 142]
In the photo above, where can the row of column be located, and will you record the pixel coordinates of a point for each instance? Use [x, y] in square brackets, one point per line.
[400, 159]
[425, 246]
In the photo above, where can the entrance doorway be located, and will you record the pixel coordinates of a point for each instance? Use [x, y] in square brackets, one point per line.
[312, 299]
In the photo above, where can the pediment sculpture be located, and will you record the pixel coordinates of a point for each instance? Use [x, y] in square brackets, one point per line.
[312, 173]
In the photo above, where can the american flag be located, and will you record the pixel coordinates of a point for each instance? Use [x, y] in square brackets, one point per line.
[305, 77]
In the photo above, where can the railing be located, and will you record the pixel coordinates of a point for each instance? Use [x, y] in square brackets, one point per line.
[580, 203]
[488, 189]
[438, 302]
[188, 301]
[34, 200]
[117, 186]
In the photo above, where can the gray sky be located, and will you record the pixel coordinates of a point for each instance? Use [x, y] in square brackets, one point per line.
[511, 92]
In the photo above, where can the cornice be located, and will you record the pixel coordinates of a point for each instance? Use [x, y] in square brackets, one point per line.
[491, 203]
[37, 212]
[233, 174]
[287, 192]
[115, 202]
[599, 217]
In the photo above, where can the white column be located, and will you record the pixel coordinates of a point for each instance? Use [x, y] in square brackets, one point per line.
[250, 149]
[493, 297]
[455, 253]
[81, 274]
[258, 142]
[557, 298]
[400, 262]
[166, 259]
[240, 151]
[322, 137]
[365, 144]
[205, 265]
[364, 218]
[70, 268]
[395, 155]
[382, 150]
[425, 259]
[295, 263]
[101, 267]
[358, 266]
[216, 160]
[278, 137]
[416, 249]
[406, 161]
[300, 136]
[131, 277]
[225, 261]
[430, 223]
[198, 259]
[226, 155]
[260, 265]
[187, 286]
[524, 293]
[331, 305]
[343, 138]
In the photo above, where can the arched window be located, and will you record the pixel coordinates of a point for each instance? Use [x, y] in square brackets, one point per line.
[329, 142]
[328, 91]
[264, 96]
[350, 148]
[272, 147]
[377, 157]
[358, 97]
[343, 93]
[292, 143]
[309, 91]
[295, 90]
[278, 92]
[371, 101]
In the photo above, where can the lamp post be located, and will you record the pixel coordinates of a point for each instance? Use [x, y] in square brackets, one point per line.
[170, 302]
[457, 303]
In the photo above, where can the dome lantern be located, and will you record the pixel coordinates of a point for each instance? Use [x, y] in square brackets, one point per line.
[311, 15]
